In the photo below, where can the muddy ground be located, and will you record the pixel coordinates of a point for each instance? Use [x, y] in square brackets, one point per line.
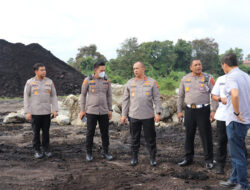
[67, 169]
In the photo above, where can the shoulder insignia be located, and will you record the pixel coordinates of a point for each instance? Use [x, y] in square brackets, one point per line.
[156, 84]
[84, 82]
[212, 81]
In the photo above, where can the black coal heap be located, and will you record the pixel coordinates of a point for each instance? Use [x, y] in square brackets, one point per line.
[16, 67]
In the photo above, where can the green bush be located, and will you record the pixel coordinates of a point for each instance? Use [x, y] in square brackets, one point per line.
[167, 85]
[245, 68]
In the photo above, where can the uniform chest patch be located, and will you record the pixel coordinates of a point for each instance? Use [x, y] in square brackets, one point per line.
[147, 83]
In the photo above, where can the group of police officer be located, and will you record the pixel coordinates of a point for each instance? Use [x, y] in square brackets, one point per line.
[141, 94]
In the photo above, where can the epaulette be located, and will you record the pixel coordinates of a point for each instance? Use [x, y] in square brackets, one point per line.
[207, 77]
[90, 77]
[105, 77]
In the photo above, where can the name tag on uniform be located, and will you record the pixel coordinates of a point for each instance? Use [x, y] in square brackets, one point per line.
[133, 85]
[147, 93]
[187, 89]
[188, 80]
[105, 84]
[35, 92]
[147, 83]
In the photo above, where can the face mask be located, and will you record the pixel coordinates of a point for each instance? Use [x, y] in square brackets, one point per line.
[102, 74]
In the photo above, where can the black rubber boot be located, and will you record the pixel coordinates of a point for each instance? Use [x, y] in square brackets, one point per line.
[89, 156]
[152, 159]
[106, 155]
[134, 160]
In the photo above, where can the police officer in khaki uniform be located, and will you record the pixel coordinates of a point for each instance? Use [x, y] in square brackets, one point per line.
[139, 95]
[97, 108]
[194, 90]
[40, 103]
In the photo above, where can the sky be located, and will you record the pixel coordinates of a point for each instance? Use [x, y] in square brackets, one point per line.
[63, 26]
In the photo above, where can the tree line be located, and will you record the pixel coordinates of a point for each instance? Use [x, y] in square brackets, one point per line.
[165, 61]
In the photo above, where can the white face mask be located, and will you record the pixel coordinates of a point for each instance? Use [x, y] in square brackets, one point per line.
[102, 74]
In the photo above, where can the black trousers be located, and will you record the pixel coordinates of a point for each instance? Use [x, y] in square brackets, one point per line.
[201, 118]
[149, 134]
[39, 122]
[221, 151]
[103, 121]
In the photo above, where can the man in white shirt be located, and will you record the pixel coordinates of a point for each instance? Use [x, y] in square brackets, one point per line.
[237, 90]
[218, 94]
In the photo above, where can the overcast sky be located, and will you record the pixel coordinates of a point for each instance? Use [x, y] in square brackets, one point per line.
[63, 26]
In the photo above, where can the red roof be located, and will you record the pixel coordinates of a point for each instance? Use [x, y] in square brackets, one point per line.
[246, 62]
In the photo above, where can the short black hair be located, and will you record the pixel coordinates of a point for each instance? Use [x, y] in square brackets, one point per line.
[230, 59]
[98, 64]
[194, 59]
[37, 65]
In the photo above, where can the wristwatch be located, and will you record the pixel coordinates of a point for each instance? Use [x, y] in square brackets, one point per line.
[219, 99]
[237, 114]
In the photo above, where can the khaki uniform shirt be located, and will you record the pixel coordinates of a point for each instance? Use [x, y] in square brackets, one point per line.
[99, 96]
[40, 97]
[138, 98]
[195, 90]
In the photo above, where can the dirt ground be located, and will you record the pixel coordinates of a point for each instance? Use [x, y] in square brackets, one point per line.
[67, 169]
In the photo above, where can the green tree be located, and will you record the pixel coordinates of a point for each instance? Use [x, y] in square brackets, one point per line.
[183, 49]
[238, 52]
[207, 51]
[86, 58]
[86, 64]
[70, 61]
[160, 55]
[248, 57]
[127, 55]
[245, 68]
[91, 51]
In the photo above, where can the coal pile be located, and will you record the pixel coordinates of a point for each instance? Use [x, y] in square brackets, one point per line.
[16, 67]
